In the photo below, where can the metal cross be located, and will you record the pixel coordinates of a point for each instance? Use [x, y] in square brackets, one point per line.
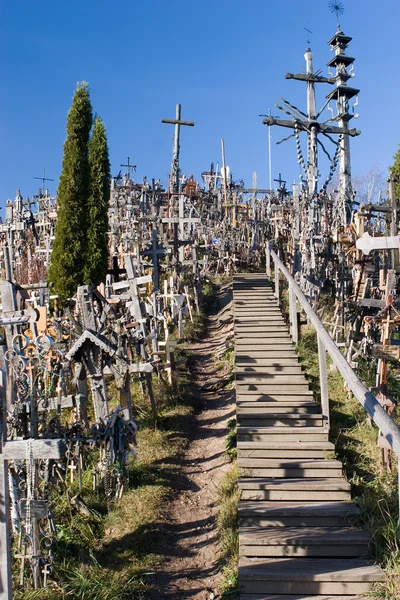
[43, 179]
[280, 180]
[129, 167]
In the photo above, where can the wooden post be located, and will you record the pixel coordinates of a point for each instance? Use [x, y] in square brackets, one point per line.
[150, 391]
[276, 275]
[323, 379]
[5, 533]
[293, 314]
[267, 260]
[393, 224]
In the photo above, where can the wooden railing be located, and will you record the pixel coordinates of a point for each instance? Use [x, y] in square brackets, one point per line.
[325, 344]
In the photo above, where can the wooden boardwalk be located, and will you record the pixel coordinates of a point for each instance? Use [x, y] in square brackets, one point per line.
[298, 529]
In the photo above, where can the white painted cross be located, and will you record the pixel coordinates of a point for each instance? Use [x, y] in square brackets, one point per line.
[366, 243]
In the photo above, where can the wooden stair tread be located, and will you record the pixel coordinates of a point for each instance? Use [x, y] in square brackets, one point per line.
[328, 509]
[311, 569]
[264, 408]
[243, 413]
[282, 430]
[318, 483]
[289, 445]
[302, 535]
[266, 463]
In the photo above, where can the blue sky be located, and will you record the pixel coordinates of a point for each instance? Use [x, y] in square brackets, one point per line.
[224, 61]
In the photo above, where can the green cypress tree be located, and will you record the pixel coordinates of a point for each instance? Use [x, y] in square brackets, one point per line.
[96, 256]
[67, 257]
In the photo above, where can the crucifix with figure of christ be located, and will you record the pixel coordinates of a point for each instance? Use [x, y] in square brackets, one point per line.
[129, 167]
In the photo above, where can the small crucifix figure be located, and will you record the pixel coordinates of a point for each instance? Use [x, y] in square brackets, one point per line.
[174, 178]
[129, 167]
[281, 182]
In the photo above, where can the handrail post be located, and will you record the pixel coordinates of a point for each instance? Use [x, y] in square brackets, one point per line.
[267, 260]
[323, 380]
[294, 330]
[276, 274]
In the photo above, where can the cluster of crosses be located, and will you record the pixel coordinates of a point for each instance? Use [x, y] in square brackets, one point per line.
[56, 364]
[334, 245]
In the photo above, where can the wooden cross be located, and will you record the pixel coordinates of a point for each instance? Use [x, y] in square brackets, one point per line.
[174, 178]
[155, 251]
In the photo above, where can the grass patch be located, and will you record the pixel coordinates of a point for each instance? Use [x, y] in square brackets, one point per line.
[113, 556]
[227, 521]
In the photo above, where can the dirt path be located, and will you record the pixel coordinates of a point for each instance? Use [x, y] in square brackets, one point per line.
[191, 567]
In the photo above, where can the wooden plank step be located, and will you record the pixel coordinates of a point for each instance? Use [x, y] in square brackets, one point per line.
[295, 434]
[273, 367]
[283, 384]
[248, 388]
[276, 397]
[261, 328]
[276, 420]
[253, 297]
[270, 351]
[285, 463]
[259, 361]
[281, 408]
[308, 576]
[288, 472]
[253, 312]
[319, 483]
[288, 468]
[321, 489]
[266, 321]
[244, 299]
[276, 333]
[253, 319]
[256, 311]
[285, 449]
[277, 351]
[243, 302]
[298, 514]
[303, 541]
[269, 344]
[253, 291]
[275, 377]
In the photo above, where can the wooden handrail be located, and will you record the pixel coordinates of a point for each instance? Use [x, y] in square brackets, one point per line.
[379, 416]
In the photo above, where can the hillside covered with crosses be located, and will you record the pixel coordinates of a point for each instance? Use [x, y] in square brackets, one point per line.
[125, 361]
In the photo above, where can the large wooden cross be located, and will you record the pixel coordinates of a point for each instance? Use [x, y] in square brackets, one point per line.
[174, 179]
